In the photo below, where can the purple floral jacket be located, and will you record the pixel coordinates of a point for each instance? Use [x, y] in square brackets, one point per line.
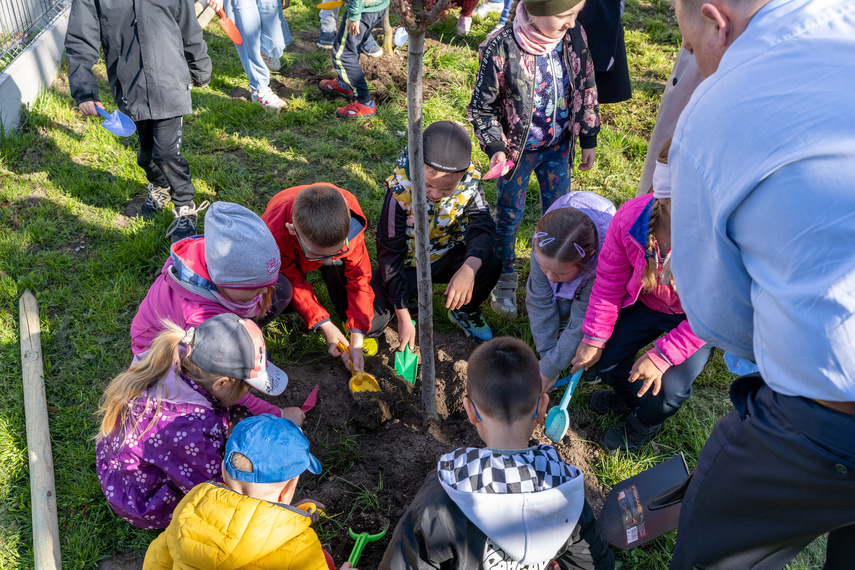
[145, 475]
[503, 99]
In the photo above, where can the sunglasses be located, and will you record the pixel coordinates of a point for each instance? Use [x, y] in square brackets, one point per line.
[339, 253]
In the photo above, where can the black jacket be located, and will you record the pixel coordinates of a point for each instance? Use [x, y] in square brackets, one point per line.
[151, 50]
[463, 217]
[435, 533]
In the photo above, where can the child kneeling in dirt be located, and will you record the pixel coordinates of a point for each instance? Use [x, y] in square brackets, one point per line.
[250, 520]
[462, 232]
[544, 516]
[321, 226]
[165, 419]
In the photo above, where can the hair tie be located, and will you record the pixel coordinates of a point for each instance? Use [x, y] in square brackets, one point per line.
[649, 255]
[189, 336]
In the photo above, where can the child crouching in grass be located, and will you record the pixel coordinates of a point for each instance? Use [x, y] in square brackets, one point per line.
[165, 420]
[461, 236]
[507, 504]
[249, 522]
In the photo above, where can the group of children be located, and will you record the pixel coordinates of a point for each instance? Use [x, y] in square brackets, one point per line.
[598, 290]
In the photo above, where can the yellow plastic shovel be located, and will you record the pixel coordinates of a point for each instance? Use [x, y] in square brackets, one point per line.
[360, 381]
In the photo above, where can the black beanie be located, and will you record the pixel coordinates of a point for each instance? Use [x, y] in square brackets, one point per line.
[548, 7]
[447, 147]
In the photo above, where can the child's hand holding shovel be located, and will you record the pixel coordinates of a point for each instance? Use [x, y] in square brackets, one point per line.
[313, 509]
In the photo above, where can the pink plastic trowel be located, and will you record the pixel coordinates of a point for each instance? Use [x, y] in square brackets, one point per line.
[497, 170]
[311, 400]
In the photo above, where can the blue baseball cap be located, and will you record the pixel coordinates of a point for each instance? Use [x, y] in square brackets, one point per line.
[276, 447]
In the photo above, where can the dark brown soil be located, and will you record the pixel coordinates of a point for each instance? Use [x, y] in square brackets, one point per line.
[386, 74]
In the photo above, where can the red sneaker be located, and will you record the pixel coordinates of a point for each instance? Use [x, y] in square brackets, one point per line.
[333, 87]
[357, 110]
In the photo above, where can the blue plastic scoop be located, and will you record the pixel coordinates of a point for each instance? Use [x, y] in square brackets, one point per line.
[117, 122]
[558, 420]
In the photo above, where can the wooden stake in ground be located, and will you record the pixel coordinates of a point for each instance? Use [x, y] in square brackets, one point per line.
[42, 488]
[417, 18]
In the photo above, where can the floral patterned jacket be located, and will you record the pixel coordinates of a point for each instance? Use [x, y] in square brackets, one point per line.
[503, 99]
[145, 473]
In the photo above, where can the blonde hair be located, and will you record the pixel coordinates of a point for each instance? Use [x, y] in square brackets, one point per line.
[651, 270]
[147, 374]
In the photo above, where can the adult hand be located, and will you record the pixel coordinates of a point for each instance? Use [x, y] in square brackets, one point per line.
[217, 5]
[406, 332]
[313, 514]
[588, 155]
[347, 566]
[586, 356]
[89, 107]
[294, 414]
[461, 284]
[496, 159]
[644, 369]
[357, 357]
[353, 28]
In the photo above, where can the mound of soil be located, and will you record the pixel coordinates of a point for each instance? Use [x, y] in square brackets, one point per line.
[386, 74]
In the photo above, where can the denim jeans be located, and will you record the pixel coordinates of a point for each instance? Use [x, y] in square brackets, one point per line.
[262, 26]
[551, 165]
[329, 20]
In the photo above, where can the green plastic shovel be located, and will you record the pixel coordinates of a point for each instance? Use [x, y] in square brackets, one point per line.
[362, 539]
[558, 420]
[407, 365]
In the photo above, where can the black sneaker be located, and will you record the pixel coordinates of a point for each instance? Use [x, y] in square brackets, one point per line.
[628, 436]
[157, 199]
[184, 224]
[605, 402]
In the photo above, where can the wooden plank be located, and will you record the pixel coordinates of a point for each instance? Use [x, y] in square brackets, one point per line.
[42, 488]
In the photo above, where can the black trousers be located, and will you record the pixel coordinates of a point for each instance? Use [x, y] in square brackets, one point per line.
[336, 282]
[636, 327]
[160, 156]
[441, 270]
[281, 299]
[777, 472]
[345, 53]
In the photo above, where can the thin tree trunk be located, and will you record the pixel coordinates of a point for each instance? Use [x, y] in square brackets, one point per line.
[388, 33]
[417, 178]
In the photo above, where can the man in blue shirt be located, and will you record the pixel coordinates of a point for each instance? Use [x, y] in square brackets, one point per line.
[763, 227]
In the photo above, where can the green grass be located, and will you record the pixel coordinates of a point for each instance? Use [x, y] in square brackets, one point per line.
[64, 185]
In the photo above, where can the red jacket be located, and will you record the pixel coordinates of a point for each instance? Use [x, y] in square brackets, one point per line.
[295, 266]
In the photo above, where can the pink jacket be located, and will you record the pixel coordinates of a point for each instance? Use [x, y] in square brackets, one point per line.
[183, 294]
[618, 284]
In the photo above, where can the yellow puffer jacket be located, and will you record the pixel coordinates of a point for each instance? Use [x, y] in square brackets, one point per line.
[214, 527]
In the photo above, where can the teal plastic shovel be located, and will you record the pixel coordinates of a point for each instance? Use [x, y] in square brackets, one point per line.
[558, 420]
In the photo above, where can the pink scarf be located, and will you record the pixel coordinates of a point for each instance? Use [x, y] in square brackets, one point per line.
[529, 37]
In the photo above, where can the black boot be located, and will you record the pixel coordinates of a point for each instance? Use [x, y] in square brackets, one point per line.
[605, 402]
[629, 435]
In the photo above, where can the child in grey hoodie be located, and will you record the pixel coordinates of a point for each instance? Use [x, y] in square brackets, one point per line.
[564, 258]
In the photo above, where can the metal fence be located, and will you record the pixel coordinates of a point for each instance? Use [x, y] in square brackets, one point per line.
[21, 21]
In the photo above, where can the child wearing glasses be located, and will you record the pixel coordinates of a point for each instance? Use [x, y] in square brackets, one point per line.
[462, 232]
[321, 226]
[507, 504]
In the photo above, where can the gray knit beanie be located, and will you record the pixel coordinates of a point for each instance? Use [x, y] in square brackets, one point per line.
[240, 251]
[548, 7]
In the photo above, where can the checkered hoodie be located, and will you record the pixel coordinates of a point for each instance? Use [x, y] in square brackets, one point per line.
[527, 501]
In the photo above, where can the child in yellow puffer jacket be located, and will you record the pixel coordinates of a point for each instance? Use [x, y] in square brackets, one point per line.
[249, 521]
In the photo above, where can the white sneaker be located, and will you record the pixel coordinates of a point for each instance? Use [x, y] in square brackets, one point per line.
[488, 7]
[271, 63]
[464, 24]
[267, 98]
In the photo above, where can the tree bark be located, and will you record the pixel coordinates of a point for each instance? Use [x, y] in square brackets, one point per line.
[388, 33]
[417, 178]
